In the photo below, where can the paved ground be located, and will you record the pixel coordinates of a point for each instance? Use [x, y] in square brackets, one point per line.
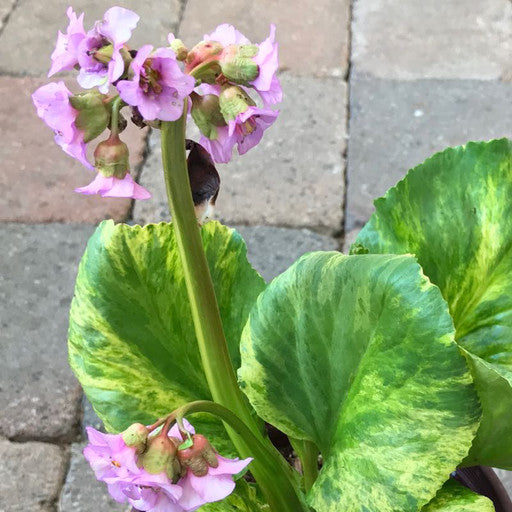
[372, 87]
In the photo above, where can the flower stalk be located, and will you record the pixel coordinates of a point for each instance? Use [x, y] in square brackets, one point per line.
[269, 469]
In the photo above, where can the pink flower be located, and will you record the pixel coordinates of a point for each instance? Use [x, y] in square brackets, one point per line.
[115, 463]
[65, 55]
[158, 86]
[114, 187]
[115, 29]
[226, 34]
[246, 131]
[266, 84]
[53, 107]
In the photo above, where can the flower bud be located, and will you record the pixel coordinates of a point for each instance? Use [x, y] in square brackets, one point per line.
[202, 61]
[136, 435]
[206, 114]
[160, 457]
[233, 100]
[93, 116]
[179, 49]
[199, 457]
[111, 157]
[237, 64]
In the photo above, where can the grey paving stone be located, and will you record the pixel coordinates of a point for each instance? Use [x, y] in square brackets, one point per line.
[39, 396]
[396, 125]
[81, 491]
[272, 250]
[432, 39]
[293, 178]
[31, 476]
[29, 37]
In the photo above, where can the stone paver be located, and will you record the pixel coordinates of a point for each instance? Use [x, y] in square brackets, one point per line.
[313, 36]
[81, 491]
[272, 250]
[293, 178]
[396, 125]
[31, 475]
[432, 39]
[32, 29]
[39, 177]
[39, 396]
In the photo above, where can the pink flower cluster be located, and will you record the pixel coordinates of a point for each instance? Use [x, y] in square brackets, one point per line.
[116, 464]
[152, 82]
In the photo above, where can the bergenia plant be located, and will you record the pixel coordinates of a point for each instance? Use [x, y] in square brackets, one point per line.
[385, 370]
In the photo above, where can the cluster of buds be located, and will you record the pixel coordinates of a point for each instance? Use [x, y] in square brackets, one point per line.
[175, 469]
[218, 75]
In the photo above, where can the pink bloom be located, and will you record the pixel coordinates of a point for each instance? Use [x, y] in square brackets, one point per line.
[226, 34]
[115, 29]
[53, 107]
[116, 464]
[65, 55]
[158, 86]
[246, 131]
[267, 84]
[114, 187]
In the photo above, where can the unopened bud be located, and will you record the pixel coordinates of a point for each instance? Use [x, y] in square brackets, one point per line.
[92, 116]
[199, 457]
[160, 456]
[206, 114]
[111, 157]
[136, 435]
[202, 61]
[233, 100]
[179, 49]
[237, 63]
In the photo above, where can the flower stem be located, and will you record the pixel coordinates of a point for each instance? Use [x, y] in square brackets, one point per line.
[271, 472]
[114, 118]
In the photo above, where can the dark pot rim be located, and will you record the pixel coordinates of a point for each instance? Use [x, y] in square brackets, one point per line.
[484, 481]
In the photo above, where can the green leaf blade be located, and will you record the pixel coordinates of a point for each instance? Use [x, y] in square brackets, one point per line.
[454, 212]
[131, 337]
[454, 497]
[357, 355]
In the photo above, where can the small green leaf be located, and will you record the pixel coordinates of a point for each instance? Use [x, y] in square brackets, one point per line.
[454, 212]
[454, 497]
[356, 353]
[131, 338]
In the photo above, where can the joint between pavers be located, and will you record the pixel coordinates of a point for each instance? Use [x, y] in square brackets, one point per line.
[346, 156]
[5, 19]
[137, 172]
[183, 6]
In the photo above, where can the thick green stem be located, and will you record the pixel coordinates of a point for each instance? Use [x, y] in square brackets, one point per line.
[308, 455]
[271, 472]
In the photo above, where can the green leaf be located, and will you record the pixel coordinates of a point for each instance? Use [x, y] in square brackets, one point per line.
[454, 497]
[356, 353]
[454, 212]
[131, 338]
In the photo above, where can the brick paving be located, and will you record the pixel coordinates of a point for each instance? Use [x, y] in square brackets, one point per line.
[371, 88]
